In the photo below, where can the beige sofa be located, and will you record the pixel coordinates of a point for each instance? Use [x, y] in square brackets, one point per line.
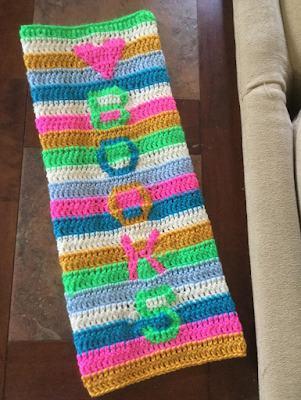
[268, 53]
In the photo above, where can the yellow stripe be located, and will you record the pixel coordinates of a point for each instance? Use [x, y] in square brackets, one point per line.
[174, 240]
[141, 45]
[92, 138]
[53, 60]
[163, 361]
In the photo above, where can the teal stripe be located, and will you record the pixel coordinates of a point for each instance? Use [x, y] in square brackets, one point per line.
[124, 330]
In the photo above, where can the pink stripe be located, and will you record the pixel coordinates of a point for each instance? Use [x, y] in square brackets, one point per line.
[98, 205]
[112, 115]
[88, 131]
[78, 207]
[61, 122]
[73, 121]
[151, 107]
[105, 357]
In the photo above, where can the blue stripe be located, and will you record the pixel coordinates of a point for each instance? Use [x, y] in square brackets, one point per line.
[124, 330]
[105, 222]
[131, 212]
[125, 292]
[103, 187]
[72, 76]
[79, 91]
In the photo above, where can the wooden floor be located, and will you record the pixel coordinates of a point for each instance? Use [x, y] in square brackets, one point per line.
[37, 357]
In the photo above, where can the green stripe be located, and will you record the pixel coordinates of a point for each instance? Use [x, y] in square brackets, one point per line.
[115, 273]
[75, 32]
[85, 156]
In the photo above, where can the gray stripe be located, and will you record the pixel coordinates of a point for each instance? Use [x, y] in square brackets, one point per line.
[126, 291]
[88, 74]
[96, 187]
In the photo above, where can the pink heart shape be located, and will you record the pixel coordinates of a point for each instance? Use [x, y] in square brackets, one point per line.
[102, 58]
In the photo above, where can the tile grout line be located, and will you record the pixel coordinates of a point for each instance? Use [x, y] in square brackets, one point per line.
[17, 220]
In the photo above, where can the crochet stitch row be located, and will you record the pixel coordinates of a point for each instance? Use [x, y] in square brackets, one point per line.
[70, 60]
[119, 150]
[59, 44]
[88, 74]
[160, 362]
[127, 310]
[124, 166]
[144, 286]
[107, 357]
[99, 205]
[86, 241]
[78, 91]
[83, 122]
[74, 137]
[135, 98]
[116, 28]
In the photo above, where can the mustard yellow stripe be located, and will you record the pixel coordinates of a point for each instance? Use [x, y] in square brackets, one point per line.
[163, 361]
[70, 59]
[92, 138]
[141, 45]
[53, 60]
[174, 240]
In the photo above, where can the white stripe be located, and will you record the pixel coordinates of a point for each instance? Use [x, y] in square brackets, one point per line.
[47, 45]
[81, 107]
[116, 312]
[95, 240]
[109, 99]
[94, 171]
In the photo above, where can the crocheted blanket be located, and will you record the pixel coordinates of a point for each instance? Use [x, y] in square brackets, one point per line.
[144, 286]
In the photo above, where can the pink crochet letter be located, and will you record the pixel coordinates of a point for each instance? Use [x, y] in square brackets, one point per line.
[144, 253]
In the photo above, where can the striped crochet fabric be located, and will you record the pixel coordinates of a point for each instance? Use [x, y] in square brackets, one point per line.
[144, 287]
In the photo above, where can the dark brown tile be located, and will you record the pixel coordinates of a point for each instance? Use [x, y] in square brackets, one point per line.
[38, 309]
[43, 370]
[12, 119]
[177, 24]
[233, 379]
[189, 111]
[48, 371]
[197, 165]
[31, 132]
[223, 186]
